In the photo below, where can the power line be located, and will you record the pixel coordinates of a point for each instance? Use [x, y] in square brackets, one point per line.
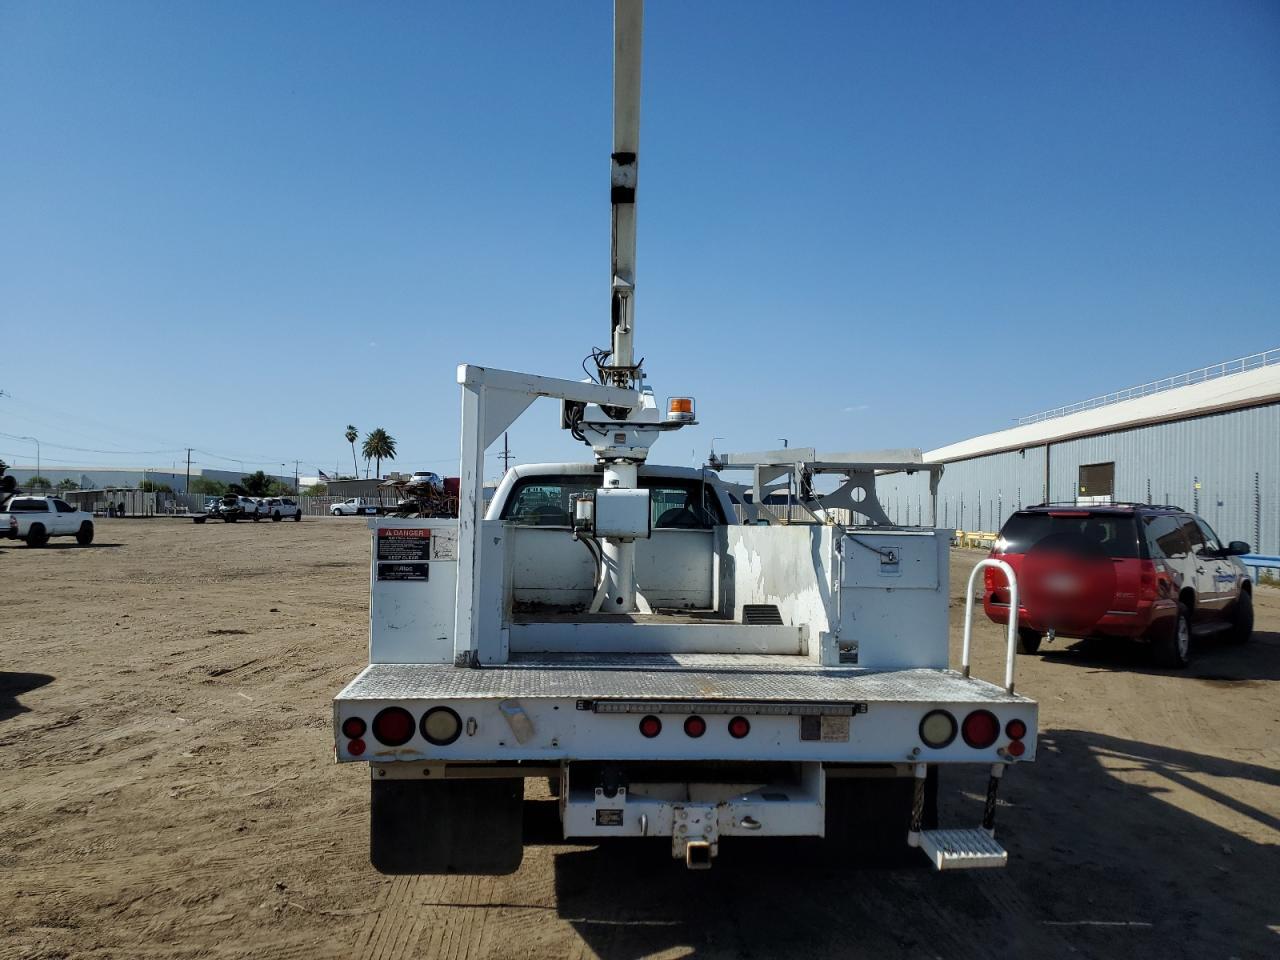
[127, 453]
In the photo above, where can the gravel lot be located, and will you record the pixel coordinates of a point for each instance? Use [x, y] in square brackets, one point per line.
[169, 791]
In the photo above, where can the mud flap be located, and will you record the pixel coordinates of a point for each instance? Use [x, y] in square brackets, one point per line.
[868, 818]
[449, 826]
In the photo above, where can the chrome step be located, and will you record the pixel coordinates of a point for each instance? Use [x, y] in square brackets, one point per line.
[962, 849]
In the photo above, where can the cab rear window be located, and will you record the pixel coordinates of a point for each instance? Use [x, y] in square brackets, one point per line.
[1115, 534]
[27, 506]
[675, 503]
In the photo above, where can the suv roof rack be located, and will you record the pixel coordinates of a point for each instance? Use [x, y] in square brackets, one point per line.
[1130, 504]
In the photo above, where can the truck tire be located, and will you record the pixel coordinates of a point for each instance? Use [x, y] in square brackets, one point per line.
[1242, 618]
[256, 517]
[867, 818]
[1173, 648]
[37, 535]
[84, 536]
[297, 517]
[446, 826]
[229, 518]
[1029, 640]
[275, 516]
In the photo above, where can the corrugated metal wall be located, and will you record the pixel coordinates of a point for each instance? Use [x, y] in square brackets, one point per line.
[1235, 458]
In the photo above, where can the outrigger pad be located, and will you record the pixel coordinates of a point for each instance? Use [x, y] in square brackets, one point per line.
[446, 826]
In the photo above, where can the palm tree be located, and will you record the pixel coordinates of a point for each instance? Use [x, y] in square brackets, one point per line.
[379, 445]
[352, 436]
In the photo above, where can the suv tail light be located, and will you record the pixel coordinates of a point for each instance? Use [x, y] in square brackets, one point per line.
[1147, 580]
[989, 577]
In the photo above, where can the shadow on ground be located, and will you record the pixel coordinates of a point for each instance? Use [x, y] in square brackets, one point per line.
[1107, 868]
[1213, 658]
[72, 545]
[14, 685]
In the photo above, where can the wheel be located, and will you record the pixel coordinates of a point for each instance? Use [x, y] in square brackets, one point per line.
[1028, 640]
[1242, 619]
[37, 535]
[84, 536]
[867, 818]
[1174, 648]
[230, 518]
[256, 517]
[275, 516]
[446, 826]
[297, 517]
[335, 513]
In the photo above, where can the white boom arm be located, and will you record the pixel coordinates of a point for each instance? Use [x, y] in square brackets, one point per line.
[628, 22]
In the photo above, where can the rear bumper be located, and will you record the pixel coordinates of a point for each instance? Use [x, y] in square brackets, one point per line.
[1146, 621]
[549, 712]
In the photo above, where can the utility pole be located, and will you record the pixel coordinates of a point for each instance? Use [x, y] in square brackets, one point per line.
[506, 454]
[187, 488]
[296, 491]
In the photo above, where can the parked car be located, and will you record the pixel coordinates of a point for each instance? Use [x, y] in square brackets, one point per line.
[362, 506]
[39, 518]
[1156, 574]
[281, 508]
[235, 508]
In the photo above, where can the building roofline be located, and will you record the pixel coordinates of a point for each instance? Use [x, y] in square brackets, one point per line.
[1253, 388]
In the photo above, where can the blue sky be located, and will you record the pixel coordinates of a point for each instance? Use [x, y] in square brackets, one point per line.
[239, 227]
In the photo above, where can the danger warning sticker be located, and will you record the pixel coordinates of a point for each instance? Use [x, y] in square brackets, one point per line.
[404, 543]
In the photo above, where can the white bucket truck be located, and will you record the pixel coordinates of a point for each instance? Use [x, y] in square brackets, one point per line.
[676, 673]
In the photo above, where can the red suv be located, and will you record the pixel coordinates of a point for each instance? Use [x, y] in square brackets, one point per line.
[1149, 573]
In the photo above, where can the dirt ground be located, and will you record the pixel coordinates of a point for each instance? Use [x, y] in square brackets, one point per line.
[169, 791]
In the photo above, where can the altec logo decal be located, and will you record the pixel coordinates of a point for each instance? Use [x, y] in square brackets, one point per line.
[396, 533]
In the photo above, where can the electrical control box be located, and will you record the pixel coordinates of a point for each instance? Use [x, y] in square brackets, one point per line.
[622, 514]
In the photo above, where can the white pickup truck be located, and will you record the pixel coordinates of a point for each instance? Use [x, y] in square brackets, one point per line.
[355, 506]
[40, 518]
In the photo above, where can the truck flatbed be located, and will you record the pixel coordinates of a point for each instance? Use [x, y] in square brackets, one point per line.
[668, 677]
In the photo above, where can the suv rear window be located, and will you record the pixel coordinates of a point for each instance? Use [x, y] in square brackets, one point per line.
[1115, 533]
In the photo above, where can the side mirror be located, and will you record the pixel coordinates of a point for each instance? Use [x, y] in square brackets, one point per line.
[1238, 548]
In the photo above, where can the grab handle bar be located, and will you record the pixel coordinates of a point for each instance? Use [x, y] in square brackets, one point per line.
[1013, 619]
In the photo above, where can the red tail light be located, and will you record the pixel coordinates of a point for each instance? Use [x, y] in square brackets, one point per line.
[355, 747]
[695, 726]
[353, 728]
[1147, 580]
[1016, 748]
[650, 726]
[393, 726]
[989, 578]
[739, 727]
[980, 729]
[1016, 729]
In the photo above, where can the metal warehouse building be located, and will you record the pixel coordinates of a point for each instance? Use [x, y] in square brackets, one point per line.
[1207, 441]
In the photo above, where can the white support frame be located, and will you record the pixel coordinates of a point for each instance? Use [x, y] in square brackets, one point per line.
[492, 400]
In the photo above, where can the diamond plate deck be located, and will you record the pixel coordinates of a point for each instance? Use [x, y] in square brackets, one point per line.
[740, 677]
